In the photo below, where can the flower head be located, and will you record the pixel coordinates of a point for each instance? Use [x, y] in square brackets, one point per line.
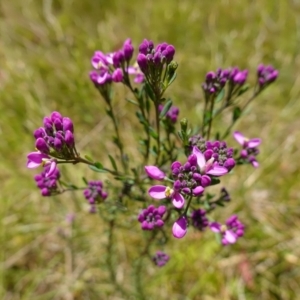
[199, 219]
[151, 217]
[179, 228]
[48, 183]
[230, 232]
[94, 194]
[266, 75]
[160, 258]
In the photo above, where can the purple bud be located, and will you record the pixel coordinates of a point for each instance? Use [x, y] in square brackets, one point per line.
[55, 115]
[186, 190]
[177, 185]
[208, 154]
[58, 144]
[146, 47]
[205, 180]
[157, 58]
[210, 76]
[69, 138]
[39, 133]
[68, 124]
[142, 62]
[118, 59]
[45, 192]
[42, 146]
[128, 50]
[229, 164]
[170, 52]
[58, 124]
[117, 75]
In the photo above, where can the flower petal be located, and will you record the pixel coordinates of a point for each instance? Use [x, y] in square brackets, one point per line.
[198, 190]
[239, 137]
[35, 159]
[51, 169]
[215, 227]
[200, 157]
[217, 171]
[230, 236]
[254, 143]
[179, 228]
[157, 192]
[155, 173]
[178, 200]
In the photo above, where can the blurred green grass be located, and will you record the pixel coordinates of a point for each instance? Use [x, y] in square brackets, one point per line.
[45, 48]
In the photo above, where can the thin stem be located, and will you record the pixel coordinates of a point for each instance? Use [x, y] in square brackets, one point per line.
[188, 205]
[157, 130]
[211, 118]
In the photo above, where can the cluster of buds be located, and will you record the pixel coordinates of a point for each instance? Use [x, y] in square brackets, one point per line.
[249, 149]
[266, 75]
[55, 140]
[157, 63]
[215, 81]
[112, 67]
[160, 258]
[216, 150]
[48, 184]
[172, 114]
[151, 217]
[230, 232]
[94, 194]
[199, 219]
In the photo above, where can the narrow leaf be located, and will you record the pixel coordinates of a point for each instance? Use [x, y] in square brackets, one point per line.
[114, 165]
[166, 108]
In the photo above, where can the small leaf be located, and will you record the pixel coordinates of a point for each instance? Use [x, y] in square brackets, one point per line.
[243, 89]
[214, 181]
[85, 180]
[141, 117]
[153, 132]
[132, 101]
[88, 158]
[170, 81]
[220, 96]
[149, 91]
[237, 112]
[94, 168]
[166, 108]
[113, 163]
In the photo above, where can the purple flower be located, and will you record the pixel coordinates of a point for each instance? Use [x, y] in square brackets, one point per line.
[48, 183]
[172, 114]
[155, 173]
[35, 159]
[117, 75]
[179, 228]
[160, 258]
[94, 194]
[245, 142]
[160, 192]
[250, 151]
[208, 167]
[266, 75]
[230, 232]
[199, 219]
[151, 217]
[135, 70]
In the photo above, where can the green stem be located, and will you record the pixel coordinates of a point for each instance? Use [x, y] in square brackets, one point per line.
[188, 205]
[157, 130]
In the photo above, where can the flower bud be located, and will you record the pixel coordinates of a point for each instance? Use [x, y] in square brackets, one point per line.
[142, 62]
[42, 146]
[69, 138]
[68, 124]
[128, 50]
[155, 173]
[117, 75]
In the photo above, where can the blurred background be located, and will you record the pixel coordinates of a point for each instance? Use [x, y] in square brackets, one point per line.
[45, 50]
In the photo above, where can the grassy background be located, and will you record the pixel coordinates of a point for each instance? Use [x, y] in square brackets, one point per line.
[45, 48]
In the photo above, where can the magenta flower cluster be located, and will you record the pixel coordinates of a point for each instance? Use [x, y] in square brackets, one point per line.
[189, 180]
[215, 81]
[151, 217]
[266, 75]
[55, 140]
[47, 184]
[214, 149]
[160, 258]
[230, 232]
[199, 219]
[94, 194]
[151, 60]
[110, 67]
[249, 149]
[172, 114]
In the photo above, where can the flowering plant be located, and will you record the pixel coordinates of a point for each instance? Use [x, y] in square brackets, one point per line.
[188, 162]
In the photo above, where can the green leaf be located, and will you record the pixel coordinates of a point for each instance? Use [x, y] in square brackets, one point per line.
[95, 169]
[153, 133]
[141, 117]
[215, 181]
[132, 101]
[166, 108]
[85, 180]
[220, 96]
[170, 81]
[88, 158]
[237, 112]
[243, 89]
[114, 165]
[149, 91]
